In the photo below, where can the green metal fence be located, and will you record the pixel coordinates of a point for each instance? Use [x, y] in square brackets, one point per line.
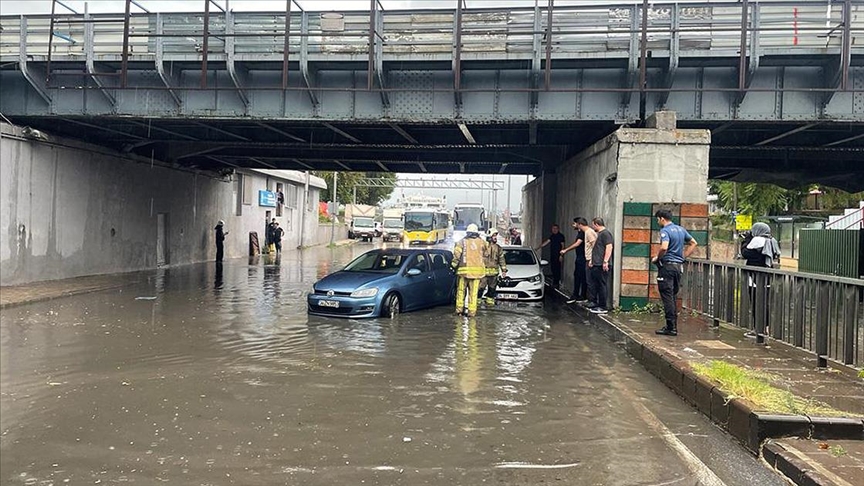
[832, 252]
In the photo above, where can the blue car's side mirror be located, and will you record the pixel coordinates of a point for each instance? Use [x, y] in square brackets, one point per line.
[413, 272]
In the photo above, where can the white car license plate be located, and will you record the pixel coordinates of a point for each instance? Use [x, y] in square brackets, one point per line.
[508, 296]
[329, 303]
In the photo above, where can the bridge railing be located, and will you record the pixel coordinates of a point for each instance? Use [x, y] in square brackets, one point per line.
[796, 26]
[818, 313]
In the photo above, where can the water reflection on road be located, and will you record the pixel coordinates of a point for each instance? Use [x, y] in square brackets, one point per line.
[215, 375]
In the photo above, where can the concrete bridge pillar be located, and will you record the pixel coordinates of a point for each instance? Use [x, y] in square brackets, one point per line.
[659, 164]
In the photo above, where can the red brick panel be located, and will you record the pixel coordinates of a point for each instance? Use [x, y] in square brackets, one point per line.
[637, 236]
[694, 210]
[634, 277]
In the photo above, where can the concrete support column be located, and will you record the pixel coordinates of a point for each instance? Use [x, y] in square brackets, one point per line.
[654, 165]
[539, 200]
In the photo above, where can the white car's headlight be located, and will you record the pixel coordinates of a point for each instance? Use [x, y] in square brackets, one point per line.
[365, 292]
[535, 278]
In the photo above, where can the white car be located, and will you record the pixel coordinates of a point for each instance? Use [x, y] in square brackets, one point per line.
[524, 280]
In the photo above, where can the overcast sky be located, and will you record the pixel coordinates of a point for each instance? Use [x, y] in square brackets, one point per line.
[459, 196]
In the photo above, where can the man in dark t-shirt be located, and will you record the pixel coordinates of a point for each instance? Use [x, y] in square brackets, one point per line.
[601, 266]
[556, 244]
[580, 270]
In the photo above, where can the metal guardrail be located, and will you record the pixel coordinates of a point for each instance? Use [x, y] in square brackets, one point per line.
[745, 29]
[818, 313]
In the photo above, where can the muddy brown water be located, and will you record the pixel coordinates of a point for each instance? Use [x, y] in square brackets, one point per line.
[208, 377]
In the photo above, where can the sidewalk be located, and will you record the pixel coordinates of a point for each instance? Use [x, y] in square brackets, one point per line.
[839, 461]
[697, 341]
[829, 462]
[53, 289]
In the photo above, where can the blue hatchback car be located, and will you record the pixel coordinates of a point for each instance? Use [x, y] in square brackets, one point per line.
[385, 282]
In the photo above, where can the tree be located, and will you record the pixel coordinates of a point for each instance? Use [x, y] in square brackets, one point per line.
[347, 182]
[753, 198]
[760, 199]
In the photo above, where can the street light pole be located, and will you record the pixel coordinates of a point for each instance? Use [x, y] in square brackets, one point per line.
[335, 209]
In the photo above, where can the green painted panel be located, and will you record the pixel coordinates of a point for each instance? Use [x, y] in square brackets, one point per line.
[631, 303]
[701, 237]
[636, 250]
[637, 209]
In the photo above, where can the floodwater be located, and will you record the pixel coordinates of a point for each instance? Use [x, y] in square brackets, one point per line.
[206, 377]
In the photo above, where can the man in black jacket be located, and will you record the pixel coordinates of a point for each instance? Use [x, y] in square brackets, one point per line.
[220, 240]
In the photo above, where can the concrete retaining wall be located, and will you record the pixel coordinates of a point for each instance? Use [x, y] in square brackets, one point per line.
[69, 209]
[630, 165]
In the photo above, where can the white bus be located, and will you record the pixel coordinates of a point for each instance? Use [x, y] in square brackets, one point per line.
[465, 214]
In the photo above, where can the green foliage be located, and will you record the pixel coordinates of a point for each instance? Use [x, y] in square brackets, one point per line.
[767, 199]
[347, 181]
[836, 199]
[649, 308]
[753, 198]
[837, 451]
[861, 374]
[756, 388]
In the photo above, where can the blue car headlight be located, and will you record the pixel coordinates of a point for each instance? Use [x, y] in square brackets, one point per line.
[535, 278]
[371, 292]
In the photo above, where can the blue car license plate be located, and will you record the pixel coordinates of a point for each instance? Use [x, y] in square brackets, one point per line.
[329, 303]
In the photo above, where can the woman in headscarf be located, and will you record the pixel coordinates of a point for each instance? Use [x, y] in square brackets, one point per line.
[759, 249]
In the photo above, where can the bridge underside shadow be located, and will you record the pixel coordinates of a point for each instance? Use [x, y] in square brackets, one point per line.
[788, 154]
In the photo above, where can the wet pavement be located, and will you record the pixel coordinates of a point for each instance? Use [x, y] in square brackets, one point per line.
[195, 375]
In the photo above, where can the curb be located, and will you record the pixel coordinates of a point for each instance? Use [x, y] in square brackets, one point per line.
[751, 428]
[794, 468]
[69, 293]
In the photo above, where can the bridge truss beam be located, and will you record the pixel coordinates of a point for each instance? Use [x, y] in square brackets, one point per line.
[432, 184]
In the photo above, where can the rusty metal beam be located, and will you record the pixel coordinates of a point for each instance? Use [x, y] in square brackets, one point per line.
[150, 126]
[547, 68]
[786, 134]
[846, 51]
[224, 132]
[844, 140]
[407, 136]
[205, 45]
[280, 132]
[286, 46]
[457, 59]
[370, 68]
[341, 132]
[51, 40]
[105, 129]
[467, 133]
[742, 57]
[23, 64]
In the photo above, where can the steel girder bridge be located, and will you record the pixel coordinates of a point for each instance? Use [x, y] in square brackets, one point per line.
[451, 90]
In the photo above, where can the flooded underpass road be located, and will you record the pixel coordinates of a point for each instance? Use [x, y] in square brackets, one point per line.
[201, 377]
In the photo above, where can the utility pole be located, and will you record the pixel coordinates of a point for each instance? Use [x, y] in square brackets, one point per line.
[735, 219]
[509, 183]
[335, 209]
[303, 211]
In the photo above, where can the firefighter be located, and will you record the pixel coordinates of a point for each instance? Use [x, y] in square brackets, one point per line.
[469, 262]
[494, 264]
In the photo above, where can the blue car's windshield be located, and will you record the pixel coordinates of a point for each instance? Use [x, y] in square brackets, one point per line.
[376, 262]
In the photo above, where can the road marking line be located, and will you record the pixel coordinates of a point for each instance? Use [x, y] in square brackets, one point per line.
[525, 465]
[705, 475]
